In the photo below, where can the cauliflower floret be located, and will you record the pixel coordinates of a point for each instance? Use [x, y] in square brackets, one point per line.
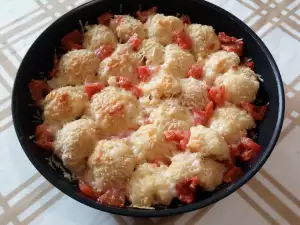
[204, 39]
[112, 163]
[161, 27]
[148, 103]
[240, 85]
[231, 122]
[153, 52]
[114, 110]
[76, 67]
[98, 35]
[177, 61]
[170, 115]
[193, 93]
[75, 142]
[219, 63]
[123, 62]
[208, 142]
[148, 143]
[125, 26]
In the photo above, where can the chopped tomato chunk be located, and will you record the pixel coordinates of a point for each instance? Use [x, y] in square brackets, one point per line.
[143, 15]
[87, 190]
[93, 88]
[247, 155]
[44, 137]
[38, 90]
[182, 39]
[55, 67]
[235, 150]
[105, 18]
[72, 40]
[104, 51]
[195, 71]
[116, 110]
[231, 44]
[248, 63]
[217, 95]
[143, 73]
[186, 189]
[248, 143]
[201, 117]
[114, 197]
[232, 174]
[178, 137]
[185, 19]
[135, 42]
[125, 83]
[257, 112]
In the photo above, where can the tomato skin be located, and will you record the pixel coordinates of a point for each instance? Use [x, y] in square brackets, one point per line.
[181, 38]
[232, 174]
[247, 155]
[114, 196]
[143, 15]
[86, 190]
[195, 71]
[217, 95]
[248, 143]
[201, 117]
[178, 137]
[105, 18]
[72, 40]
[248, 63]
[143, 73]
[125, 83]
[231, 44]
[257, 112]
[135, 42]
[186, 189]
[38, 90]
[104, 51]
[93, 88]
[44, 137]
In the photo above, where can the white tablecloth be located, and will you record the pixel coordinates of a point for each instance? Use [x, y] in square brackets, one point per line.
[272, 197]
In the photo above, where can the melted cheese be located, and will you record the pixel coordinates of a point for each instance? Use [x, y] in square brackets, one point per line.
[240, 85]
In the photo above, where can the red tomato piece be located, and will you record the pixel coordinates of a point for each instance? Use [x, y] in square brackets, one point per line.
[116, 110]
[86, 190]
[182, 39]
[143, 73]
[231, 44]
[44, 137]
[135, 42]
[104, 51]
[257, 112]
[225, 39]
[248, 63]
[113, 197]
[55, 67]
[186, 189]
[143, 15]
[217, 95]
[195, 71]
[178, 137]
[247, 155]
[105, 18]
[201, 117]
[93, 88]
[125, 83]
[248, 143]
[38, 90]
[185, 19]
[136, 91]
[232, 174]
[72, 40]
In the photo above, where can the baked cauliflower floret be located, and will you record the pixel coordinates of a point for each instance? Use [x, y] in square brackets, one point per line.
[153, 52]
[148, 143]
[170, 115]
[231, 122]
[177, 61]
[111, 163]
[123, 62]
[76, 67]
[98, 35]
[161, 85]
[64, 104]
[142, 186]
[161, 27]
[219, 63]
[148, 104]
[193, 93]
[114, 110]
[75, 142]
[204, 39]
[208, 142]
[125, 26]
[240, 85]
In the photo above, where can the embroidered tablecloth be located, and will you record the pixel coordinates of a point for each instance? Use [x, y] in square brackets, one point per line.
[271, 197]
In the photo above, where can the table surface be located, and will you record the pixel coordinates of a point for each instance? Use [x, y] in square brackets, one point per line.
[271, 197]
